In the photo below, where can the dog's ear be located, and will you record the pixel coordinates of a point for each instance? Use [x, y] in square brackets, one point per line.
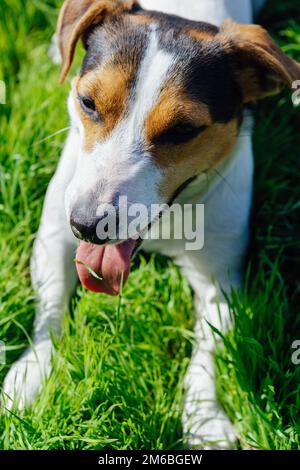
[263, 69]
[76, 20]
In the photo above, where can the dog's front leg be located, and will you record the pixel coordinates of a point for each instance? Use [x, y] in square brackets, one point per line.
[205, 423]
[53, 277]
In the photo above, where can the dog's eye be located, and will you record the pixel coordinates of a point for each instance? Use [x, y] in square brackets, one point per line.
[180, 134]
[88, 105]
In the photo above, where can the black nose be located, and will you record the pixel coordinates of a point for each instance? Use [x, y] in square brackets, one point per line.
[85, 228]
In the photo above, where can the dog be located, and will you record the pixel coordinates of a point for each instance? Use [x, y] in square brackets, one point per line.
[159, 113]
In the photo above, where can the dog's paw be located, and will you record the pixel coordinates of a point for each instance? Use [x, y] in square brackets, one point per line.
[25, 378]
[209, 429]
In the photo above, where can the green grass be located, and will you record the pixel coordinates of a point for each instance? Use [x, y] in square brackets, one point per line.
[119, 368]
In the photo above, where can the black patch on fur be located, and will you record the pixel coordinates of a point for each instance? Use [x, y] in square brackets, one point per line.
[210, 78]
[120, 40]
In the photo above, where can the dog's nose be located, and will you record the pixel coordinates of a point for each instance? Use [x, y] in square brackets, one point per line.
[85, 228]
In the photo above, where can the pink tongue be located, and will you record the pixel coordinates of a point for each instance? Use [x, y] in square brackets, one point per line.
[108, 262]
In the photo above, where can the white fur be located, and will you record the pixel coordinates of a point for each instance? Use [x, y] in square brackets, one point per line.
[218, 266]
[211, 11]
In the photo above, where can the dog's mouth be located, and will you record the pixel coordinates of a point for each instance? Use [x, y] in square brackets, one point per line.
[105, 269]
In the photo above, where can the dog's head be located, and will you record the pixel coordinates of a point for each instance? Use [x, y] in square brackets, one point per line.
[158, 101]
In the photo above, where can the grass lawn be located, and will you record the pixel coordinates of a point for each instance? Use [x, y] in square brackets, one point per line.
[118, 372]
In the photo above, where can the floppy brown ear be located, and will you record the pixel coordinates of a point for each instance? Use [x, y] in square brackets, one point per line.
[76, 20]
[263, 68]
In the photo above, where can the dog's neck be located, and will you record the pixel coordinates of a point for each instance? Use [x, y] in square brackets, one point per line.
[211, 11]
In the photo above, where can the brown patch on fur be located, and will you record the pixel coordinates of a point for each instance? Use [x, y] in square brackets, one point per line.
[263, 68]
[109, 87]
[76, 20]
[172, 107]
[200, 155]
[140, 18]
[200, 35]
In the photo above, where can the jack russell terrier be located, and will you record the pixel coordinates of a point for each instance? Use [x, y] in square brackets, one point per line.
[157, 115]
